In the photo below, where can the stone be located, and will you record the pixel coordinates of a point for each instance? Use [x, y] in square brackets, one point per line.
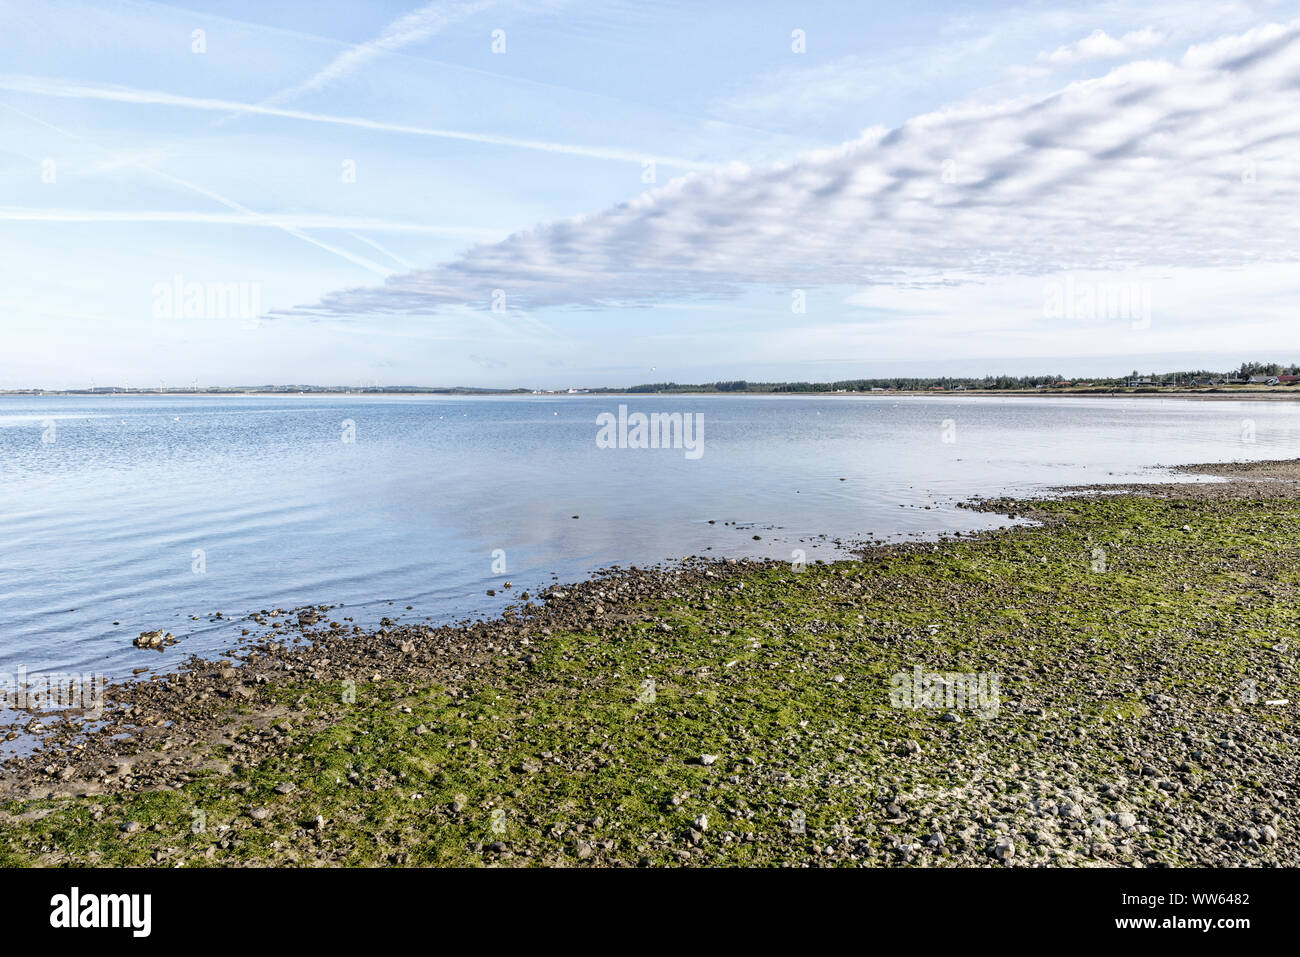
[154, 639]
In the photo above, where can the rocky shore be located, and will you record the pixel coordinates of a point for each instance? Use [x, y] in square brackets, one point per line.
[1113, 686]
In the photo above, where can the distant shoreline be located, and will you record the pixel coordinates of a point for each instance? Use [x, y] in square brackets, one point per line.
[1265, 393]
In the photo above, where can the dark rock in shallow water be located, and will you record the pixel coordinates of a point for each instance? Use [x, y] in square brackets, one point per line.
[155, 639]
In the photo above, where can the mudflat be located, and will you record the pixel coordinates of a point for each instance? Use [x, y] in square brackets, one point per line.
[1113, 686]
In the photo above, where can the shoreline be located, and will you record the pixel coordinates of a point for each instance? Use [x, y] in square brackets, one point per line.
[533, 738]
[1266, 393]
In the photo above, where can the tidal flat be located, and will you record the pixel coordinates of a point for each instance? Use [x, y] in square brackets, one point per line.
[1141, 643]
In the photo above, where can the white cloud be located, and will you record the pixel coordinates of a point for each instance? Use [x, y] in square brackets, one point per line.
[1100, 45]
[1188, 164]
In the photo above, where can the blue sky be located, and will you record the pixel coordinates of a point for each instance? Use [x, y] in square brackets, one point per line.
[555, 192]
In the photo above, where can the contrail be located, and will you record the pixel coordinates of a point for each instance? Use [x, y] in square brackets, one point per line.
[407, 264]
[218, 198]
[414, 27]
[274, 220]
[292, 231]
[40, 86]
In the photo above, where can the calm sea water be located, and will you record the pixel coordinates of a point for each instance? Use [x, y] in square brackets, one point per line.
[147, 510]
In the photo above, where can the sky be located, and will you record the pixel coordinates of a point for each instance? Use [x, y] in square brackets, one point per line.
[563, 193]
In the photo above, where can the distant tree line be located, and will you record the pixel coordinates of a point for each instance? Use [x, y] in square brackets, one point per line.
[991, 383]
[852, 385]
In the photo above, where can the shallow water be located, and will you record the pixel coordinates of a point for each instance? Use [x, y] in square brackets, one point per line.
[146, 510]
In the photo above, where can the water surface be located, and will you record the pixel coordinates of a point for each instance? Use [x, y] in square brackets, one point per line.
[147, 510]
